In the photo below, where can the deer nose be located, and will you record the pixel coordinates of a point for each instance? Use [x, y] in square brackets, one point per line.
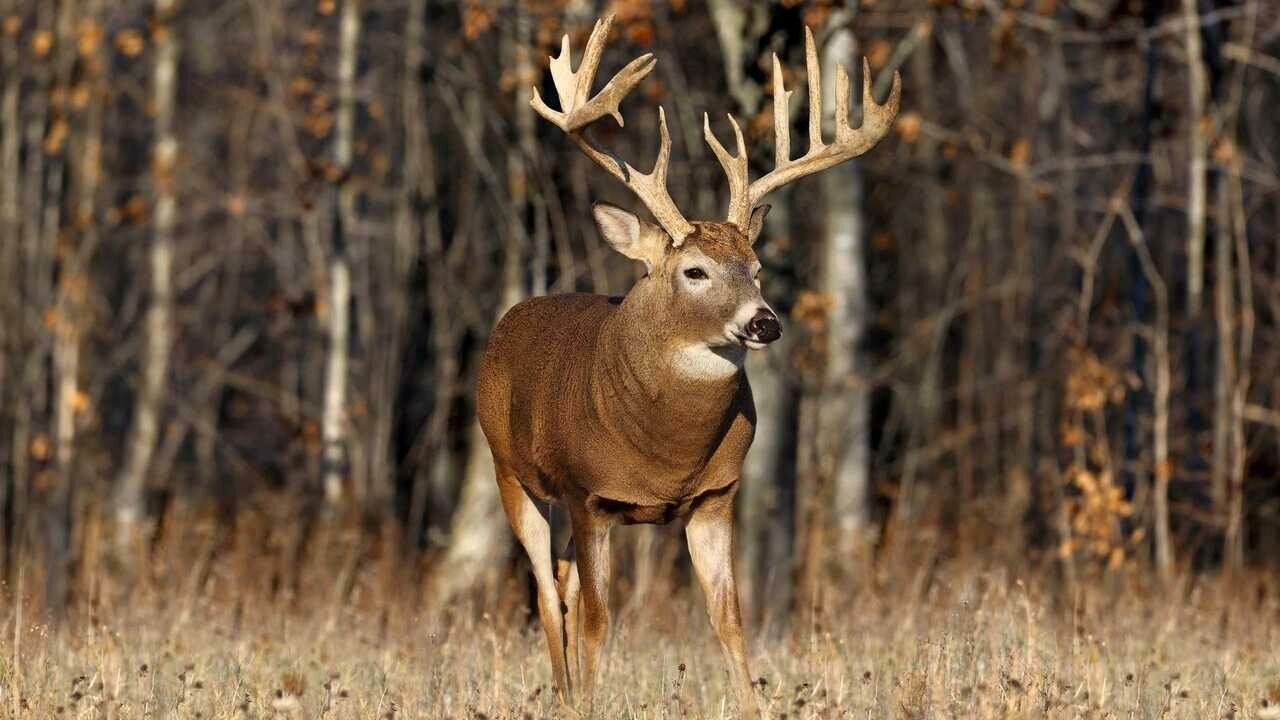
[764, 326]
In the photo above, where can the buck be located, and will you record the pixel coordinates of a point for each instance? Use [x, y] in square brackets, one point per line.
[638, 410]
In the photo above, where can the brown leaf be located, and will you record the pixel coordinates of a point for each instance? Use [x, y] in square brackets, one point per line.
[89, 37]
[1225, 151]
[41, 43]
[55, 138]
[908, 126]
[80, 402]
[1020, 154]
[41, 448]
[129, 43]
[236, 205]
[812, 308]
[476, 19]
[879, 53]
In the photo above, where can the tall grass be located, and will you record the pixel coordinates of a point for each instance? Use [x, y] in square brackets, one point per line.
[248, 622]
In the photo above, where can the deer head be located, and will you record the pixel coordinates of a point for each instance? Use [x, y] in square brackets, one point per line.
[710, 281]
[706, 273]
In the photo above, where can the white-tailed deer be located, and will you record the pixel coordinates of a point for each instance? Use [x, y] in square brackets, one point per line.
[637, 410]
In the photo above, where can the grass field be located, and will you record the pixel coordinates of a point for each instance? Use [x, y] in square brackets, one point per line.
[968, 644]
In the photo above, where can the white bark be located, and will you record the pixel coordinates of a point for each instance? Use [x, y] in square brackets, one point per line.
[334, 428]
[1197, 183]
[475, 542]
[843, 433]
[731, 18]
[159, 322]
[759, 500]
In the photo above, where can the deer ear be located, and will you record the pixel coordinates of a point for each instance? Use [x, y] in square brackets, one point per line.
[630, 235]
[756, 224]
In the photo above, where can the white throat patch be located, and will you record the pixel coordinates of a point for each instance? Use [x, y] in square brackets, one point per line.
[699, 361]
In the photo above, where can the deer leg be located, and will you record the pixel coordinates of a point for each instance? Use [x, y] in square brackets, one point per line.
[530, 522]
[591, 547]
[570, 595]
[710, 537]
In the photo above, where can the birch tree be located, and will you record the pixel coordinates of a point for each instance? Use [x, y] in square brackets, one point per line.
[765, 533]
[334, 423]
[149, 402]
[843, 437]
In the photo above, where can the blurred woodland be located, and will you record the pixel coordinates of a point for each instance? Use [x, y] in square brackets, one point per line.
[250, 251]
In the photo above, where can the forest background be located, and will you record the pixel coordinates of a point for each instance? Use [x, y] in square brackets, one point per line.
[250, 252]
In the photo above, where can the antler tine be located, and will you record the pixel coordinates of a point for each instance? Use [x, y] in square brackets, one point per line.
[652, 188]
[813, 71]
[781, 117]
[577, 112]
[842, 98]
[735, 169]
[573, 87]
[849, 142]
[591, 55]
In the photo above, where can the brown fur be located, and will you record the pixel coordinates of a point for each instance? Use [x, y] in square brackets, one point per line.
[582, 407]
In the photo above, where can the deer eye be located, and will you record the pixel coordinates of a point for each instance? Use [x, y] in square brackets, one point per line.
[696, 273]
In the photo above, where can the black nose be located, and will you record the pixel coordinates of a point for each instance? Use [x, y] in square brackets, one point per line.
[764, 327]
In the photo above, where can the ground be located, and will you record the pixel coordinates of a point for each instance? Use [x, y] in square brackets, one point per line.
[973, 644]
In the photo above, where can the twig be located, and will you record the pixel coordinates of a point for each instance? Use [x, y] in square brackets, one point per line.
[1252, 58]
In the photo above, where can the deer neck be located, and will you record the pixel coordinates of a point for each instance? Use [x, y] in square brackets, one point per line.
[661, 391]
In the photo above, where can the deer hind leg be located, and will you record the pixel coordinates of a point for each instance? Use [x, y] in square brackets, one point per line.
[530, 522]
[571, 597]
[710, 537]
[591, 549]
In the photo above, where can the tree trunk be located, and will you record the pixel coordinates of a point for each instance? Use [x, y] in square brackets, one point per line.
[1235, 234]
[12, 335]
[765, 532]
[30, 444]
[419, 188]
[737, 29]
[478, 537]
[334, 421]
[1225, 377]
[1197, 148]
[843, 430]
[1160, 469]
[1234, 224]
[131, 488]
[58, 494]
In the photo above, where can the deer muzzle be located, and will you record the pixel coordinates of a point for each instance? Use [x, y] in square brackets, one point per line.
[763, 328]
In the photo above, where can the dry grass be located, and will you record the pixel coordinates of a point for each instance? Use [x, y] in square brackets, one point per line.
[972, 644]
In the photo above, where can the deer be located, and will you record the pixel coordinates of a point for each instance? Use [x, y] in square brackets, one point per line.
[637, 409]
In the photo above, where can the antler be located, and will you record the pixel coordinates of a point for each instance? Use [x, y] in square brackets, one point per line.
[577, 112]
[877, 119]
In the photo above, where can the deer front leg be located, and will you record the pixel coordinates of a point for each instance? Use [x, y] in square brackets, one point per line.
[591, 548]
[710, 537]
